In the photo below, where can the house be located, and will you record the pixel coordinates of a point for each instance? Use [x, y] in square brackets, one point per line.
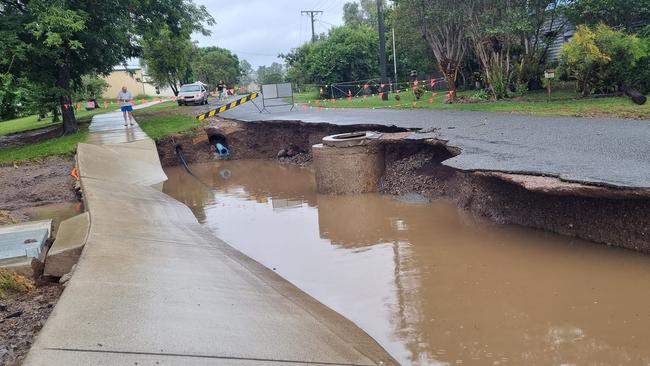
[560, 30]
[135, 80]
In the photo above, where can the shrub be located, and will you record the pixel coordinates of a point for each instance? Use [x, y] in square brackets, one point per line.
[601, 59]
[481, 94]
[520, 89]
[640, 75]
[418, 91]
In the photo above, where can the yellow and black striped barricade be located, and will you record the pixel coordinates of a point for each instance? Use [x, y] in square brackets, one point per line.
[226, 107]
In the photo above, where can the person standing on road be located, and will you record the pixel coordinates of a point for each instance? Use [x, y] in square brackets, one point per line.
[220, 87]
[124, 97]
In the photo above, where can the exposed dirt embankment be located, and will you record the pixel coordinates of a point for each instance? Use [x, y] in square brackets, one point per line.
[625, 222]
[256, 140]
[34, 184]
[600, 214]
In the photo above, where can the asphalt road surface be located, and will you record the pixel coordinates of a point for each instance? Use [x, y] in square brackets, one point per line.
[601, 151]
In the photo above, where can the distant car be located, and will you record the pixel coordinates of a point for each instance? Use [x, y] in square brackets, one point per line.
[195, 93]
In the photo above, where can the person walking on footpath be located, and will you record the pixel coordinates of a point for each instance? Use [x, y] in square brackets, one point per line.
[124, 97]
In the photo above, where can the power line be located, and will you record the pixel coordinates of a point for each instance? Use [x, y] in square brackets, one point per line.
[312, 13]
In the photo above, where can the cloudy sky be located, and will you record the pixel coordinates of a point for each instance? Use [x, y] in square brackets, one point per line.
[258, 30]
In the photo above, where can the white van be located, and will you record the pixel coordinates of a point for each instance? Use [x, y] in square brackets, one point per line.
[195, 93]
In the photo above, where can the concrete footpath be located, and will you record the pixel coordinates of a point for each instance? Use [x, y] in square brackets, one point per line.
[154, 287]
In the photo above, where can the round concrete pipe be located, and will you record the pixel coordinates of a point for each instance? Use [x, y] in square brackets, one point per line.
[344, 167]
[351, 139]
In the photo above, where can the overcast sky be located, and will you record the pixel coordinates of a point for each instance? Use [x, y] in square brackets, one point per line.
[259, 30]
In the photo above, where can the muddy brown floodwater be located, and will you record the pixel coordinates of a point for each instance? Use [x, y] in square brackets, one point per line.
[430, 283]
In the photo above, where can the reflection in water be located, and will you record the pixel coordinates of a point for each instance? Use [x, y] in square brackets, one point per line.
[57, 212]
[431, 284]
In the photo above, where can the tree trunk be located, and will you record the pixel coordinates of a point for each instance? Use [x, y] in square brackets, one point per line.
[450, 73]
[65, 100]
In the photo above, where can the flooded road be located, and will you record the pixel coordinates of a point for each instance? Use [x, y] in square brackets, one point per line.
[430, 283]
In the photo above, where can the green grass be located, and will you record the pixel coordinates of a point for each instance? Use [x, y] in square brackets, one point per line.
[167, 121]
[563, 103]
[12, 282]
[63, 145]
[30, 123]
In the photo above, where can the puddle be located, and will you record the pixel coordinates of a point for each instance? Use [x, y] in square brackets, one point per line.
[431, 284]
[57, 212]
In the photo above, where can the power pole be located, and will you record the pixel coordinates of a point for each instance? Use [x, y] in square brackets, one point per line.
[382, 49]
[312, 13]
[394, 58]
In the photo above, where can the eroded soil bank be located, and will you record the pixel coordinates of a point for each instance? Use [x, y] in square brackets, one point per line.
[415, 167]
[33, 184]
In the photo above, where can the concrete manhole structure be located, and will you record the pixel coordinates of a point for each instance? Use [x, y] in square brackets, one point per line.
[349, 163]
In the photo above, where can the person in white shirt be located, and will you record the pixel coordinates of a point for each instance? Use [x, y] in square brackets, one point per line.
[124, 97]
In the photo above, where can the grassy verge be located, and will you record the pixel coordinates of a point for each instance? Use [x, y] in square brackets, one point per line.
[165, 119]
[12, 282]
[63, 145]
[31, 123]
[563, 103]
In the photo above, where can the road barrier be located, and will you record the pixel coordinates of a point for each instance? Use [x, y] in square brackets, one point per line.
[226, 107]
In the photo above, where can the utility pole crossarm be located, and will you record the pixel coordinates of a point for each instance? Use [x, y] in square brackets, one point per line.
[312, 13]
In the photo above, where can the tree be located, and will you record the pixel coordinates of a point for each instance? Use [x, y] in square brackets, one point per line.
[625, 14]
[345, 54]
[546, 20]
[91, 87]
[167, 58]
[246, 72]
[443, 25]
[272, 74]
[413, 50]
[214, 64]
[57, 42]
[494, 28]
[361, 13]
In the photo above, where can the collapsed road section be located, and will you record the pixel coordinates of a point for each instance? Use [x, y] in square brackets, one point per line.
[417, 162]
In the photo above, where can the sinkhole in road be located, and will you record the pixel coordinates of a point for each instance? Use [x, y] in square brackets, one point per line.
[431, 283]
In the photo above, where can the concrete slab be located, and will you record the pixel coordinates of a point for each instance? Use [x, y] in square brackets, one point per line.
[153, 285]
[24, 240]
[68, 245]
[123, 165]
[87, 357]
